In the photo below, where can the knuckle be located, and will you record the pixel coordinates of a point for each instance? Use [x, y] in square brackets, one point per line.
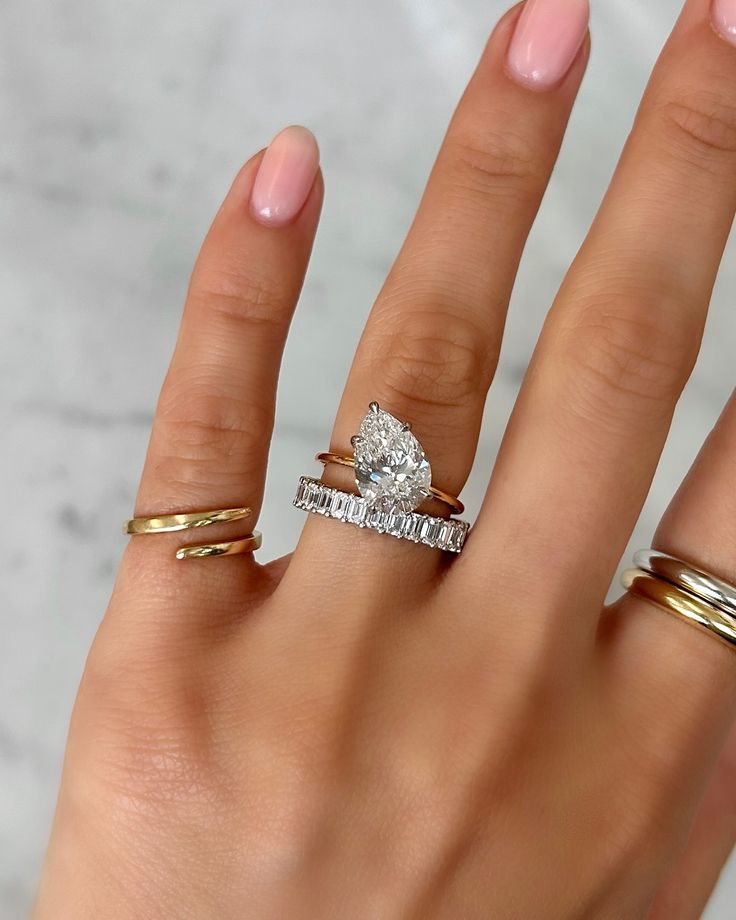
[699, 126]
[241, 295]
[146, 768]
[176, 756]
[496, 163]
[430, 359]
[198, 428]
[154, 741]
[620, 358]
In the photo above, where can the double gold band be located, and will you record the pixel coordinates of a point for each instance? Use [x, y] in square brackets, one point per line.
[681, 603]
[167, 523]
[347, 460]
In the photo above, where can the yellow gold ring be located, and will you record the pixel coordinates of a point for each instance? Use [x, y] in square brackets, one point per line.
[347, 460]
[234, 548]
[166, 523]
[681, 603]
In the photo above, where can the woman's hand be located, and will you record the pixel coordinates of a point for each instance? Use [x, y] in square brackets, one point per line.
[366, 729]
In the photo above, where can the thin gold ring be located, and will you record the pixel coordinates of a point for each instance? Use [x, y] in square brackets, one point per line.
[681, 603]
[234, 548]
[165, 523]
[347, 460]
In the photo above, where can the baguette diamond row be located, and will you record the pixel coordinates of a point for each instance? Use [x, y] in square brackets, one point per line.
[439, 533]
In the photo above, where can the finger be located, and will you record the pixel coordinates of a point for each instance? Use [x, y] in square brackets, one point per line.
[699, 528]
[431, 343]
[622, 337]
[215, 414]
[675, 684]
[690, 882]
[212, 427]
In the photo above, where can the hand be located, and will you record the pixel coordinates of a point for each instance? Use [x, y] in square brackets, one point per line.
[369, 729]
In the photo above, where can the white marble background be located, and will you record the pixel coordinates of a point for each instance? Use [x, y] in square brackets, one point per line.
[122, 125]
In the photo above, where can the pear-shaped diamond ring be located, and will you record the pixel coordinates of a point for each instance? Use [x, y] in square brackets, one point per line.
[393, 477]
[392, 471]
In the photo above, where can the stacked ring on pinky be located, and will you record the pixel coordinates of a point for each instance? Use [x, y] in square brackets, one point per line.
[685, 591]
[393, 477]
[695, 581]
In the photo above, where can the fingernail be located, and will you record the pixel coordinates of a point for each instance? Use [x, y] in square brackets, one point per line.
[546, 41]
[724, 19]
[285, 177]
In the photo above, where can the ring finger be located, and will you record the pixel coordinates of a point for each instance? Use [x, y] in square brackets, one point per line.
[431, 343]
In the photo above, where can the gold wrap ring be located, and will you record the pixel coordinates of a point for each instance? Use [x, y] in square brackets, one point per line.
[167, 523]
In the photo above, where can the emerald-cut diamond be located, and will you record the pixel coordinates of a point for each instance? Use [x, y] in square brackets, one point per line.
[391, 470]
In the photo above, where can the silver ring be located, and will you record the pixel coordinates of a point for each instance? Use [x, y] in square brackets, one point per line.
[439, 533]
[695, 581]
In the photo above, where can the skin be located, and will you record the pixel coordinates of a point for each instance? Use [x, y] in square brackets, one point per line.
[366, 729]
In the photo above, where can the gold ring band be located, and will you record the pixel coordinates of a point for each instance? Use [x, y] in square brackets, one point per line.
[166, 523]
[681, 603]
[347, 460]
[234, 548]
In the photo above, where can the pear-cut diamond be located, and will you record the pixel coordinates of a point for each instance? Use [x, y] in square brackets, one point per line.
[391, 470]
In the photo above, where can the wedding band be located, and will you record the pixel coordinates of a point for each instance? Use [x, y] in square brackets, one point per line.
[439, 533]
[347, 460]
[234, 548]
[166, 523]
[681, 603]
[709, 588]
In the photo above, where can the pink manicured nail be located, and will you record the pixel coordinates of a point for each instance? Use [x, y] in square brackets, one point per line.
[285, 177]
[724, 19]
[546, 41]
